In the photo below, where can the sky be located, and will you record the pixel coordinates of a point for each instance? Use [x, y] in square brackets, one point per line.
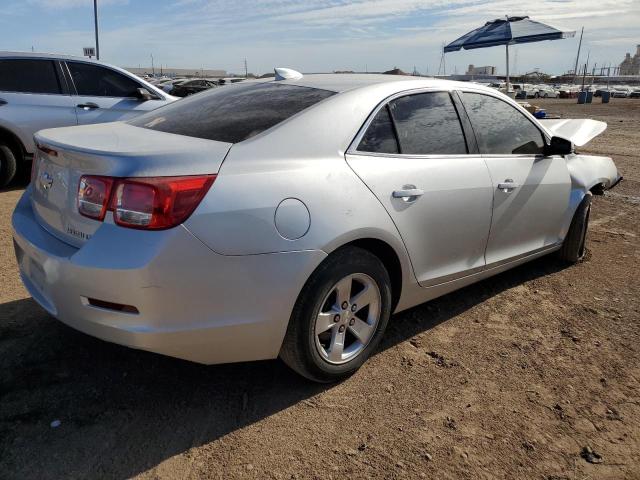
[316, 35]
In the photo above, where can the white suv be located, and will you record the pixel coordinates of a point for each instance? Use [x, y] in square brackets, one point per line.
[39, 90]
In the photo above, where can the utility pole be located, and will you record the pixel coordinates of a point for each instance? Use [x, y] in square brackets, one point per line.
[95, 20]
[586, 65]
[246, 71]
[575, 69]
[443, 66]
[153, 69]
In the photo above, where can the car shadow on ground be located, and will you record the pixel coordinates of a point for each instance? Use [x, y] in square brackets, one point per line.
[125, 411]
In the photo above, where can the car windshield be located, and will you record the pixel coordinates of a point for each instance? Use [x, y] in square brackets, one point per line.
[233, 113]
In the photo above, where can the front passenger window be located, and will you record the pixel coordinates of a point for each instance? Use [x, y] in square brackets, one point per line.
[97, 81]
[500, 128]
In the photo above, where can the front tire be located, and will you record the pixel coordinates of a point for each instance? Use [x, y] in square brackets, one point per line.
[8, 165]
[574, 245]
[339, 317]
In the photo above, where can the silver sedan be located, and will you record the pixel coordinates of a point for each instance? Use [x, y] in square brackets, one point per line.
[292, 217]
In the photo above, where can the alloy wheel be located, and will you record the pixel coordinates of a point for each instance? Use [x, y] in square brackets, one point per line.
[348, 318]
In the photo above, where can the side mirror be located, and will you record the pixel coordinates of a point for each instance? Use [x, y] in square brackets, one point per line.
[559, 146]
[143, 94]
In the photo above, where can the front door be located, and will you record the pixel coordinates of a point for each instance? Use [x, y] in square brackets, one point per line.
[438, 196]
[531, 191]
[105, 95]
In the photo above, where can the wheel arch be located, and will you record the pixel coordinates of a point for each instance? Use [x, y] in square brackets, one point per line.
[389, 258]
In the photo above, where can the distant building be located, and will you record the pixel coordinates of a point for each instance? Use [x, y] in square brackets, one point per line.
[488, 70]
[178, 72]
[631, 65]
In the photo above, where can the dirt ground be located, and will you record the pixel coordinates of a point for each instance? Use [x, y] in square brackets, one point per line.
[509, 378]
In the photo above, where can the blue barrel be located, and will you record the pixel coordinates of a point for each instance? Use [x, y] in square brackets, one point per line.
[589, 97]
[606, 95]
[582, 97]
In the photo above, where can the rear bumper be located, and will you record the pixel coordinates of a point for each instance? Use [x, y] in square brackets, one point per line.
[193, 303]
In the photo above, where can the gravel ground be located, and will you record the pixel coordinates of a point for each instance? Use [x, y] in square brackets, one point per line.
[510, 378]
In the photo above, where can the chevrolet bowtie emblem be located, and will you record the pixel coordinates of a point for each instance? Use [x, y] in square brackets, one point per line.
[46, 180]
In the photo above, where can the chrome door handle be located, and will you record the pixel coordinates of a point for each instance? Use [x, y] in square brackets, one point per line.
[508, 185]
[409, 193]
[88, 106]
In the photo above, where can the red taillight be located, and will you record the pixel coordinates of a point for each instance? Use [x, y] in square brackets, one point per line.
[48, 151]
[93, 196]
[151, 203]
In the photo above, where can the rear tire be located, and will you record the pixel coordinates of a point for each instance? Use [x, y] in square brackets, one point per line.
[574, 245]
[308, 347]
[8, 165]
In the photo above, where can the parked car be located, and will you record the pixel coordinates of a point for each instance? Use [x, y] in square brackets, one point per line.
[546, 91]
[158, 80]
[635, 94]
[42, 91]
[191, 86]
[527, 91]
[569, 91]
[620, 92]
[291, 217]
[168, 86]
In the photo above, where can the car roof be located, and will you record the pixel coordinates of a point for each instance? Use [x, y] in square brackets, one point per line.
[52, 56]
[341, 82]
[57, 56]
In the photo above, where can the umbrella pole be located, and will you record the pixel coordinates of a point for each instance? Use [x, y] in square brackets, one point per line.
[508, 83]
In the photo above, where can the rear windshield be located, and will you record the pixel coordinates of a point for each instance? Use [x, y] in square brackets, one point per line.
[232, 113]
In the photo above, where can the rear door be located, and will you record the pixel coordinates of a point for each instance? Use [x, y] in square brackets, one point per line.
[530, 190]
[431, 181]
[105, 95]
[33, 96]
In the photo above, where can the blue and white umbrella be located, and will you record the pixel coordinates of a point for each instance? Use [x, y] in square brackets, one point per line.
[507, 31]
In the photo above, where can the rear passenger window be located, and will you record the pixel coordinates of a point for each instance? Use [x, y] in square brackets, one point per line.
[29, 76]
[97, 81]
[500, 128]
[380, 137]
[428, 124]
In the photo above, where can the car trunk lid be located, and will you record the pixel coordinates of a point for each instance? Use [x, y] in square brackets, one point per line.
[115, 150]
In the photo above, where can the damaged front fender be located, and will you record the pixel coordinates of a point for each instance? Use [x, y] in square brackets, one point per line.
[589, 171]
